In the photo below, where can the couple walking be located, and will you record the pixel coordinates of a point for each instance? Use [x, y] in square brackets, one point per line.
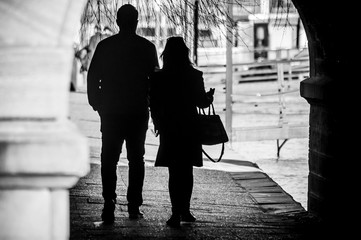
[124, 81]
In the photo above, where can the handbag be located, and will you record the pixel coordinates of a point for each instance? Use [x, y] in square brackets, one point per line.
[211, 130]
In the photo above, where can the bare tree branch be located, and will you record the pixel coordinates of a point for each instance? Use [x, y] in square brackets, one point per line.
[212, 13]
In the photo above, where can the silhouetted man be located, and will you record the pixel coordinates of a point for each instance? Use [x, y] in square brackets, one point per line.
[118, 89]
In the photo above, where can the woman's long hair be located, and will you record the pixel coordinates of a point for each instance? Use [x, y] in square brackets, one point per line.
[175, 54]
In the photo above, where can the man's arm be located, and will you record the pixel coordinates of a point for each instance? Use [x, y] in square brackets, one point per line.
[93, 81]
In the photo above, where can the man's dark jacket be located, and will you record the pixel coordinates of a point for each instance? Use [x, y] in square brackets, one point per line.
[118, 77]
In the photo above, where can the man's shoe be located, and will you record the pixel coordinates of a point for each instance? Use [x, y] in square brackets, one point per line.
[188, 217]
[135, 213]
[134, 216]
[108, 212]
[174, 221]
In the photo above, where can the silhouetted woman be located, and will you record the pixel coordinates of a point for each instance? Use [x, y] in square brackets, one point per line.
[176, 92]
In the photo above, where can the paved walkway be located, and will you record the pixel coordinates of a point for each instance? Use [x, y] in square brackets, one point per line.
[232, 199]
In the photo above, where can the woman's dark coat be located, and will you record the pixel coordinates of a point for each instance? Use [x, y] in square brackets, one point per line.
[174, 98]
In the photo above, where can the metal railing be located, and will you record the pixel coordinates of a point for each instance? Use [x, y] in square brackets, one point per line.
[282, 71]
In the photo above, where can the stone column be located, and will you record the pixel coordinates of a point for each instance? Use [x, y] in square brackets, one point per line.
[330, 150]
[323, 144]
[42, 154]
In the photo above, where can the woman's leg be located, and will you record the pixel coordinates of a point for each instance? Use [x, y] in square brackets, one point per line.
[175, 194]
[175, 189]
[180, 191]
[188, 187]
[187, 194]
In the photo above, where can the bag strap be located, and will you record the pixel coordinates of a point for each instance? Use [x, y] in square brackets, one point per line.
[201, 110]
[220, 157]
[214, 112]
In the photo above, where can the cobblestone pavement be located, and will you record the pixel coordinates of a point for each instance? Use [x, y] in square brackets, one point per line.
[224, 210]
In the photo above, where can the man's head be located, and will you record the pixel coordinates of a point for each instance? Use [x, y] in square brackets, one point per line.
[127, 18]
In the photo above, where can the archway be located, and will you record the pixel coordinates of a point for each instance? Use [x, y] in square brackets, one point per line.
[48, 43]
